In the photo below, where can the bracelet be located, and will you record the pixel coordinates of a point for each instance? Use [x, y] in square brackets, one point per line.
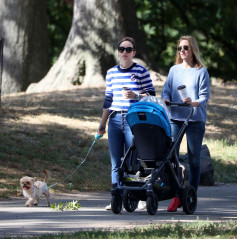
[138, 96]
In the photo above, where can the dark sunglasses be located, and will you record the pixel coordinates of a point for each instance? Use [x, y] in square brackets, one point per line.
[185, 47]
[128, 49]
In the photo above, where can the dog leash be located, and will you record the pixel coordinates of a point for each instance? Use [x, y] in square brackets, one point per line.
[97, 136]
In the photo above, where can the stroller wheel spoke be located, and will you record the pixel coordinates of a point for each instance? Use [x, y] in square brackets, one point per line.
[129, 201]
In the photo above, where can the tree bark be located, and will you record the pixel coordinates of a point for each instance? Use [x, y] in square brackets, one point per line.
[23, 25]
[91, 47]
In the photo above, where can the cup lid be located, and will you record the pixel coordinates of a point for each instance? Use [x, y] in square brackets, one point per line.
[181, 87]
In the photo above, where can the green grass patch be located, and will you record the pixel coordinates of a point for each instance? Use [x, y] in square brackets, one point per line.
[224, 159]
[197, 229]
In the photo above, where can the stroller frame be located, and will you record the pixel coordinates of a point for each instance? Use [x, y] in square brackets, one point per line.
[129, 193]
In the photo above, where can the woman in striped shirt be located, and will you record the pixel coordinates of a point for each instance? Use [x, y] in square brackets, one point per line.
[126, 84]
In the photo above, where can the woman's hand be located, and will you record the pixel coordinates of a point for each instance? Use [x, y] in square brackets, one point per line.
[187, 100]
[190, 102]
[166, 101]
[129, 94]
[101, 129]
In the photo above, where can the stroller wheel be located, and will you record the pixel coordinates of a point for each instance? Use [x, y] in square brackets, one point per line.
[116, 204]
[152, 204]
[129, 202]
[189, 200]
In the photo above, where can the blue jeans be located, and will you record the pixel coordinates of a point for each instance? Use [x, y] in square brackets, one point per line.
[194, 133]
[120, 139]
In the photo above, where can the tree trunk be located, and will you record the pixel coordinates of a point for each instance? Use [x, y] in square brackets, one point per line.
[90, 49]
[23, 25]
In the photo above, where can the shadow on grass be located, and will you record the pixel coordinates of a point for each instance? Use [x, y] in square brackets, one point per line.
[78, 103]
[28, 148]
[224, 172]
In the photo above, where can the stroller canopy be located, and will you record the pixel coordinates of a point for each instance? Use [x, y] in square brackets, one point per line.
[145, 112]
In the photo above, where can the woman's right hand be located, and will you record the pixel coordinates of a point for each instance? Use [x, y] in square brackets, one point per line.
[101, 129]
[166, 101]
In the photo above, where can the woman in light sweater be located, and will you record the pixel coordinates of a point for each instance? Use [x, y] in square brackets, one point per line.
[188, 70]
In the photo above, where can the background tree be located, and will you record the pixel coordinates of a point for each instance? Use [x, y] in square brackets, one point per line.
[23, 25]
[97, 26]
[90, 49]
[211, 22]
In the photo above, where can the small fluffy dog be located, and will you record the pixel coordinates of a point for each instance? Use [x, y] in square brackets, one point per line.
[34, 189]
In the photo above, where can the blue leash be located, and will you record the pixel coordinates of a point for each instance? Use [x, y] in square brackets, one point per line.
[97, 136]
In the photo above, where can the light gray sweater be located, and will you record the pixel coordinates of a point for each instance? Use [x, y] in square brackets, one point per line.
[198, 88]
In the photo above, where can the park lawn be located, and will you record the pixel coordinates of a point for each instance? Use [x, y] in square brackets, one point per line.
[55, 130]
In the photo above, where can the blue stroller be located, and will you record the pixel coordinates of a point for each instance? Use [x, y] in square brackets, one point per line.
[152, 156]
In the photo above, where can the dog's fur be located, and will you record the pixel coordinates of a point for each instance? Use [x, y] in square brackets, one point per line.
[34, 189]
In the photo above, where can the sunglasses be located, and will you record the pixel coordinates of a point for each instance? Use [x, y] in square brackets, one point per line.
[127, 49]
[185, 47]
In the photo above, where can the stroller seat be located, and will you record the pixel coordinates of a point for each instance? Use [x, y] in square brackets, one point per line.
[151, 142]
[151, 129]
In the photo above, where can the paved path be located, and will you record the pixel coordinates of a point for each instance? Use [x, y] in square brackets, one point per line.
[216, 203]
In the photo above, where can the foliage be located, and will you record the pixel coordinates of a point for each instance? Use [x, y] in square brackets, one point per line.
[209, 21]
[74, 205]
[163, 23]
[60, 19]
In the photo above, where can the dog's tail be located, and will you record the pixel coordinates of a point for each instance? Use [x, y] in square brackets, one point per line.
[47, 175]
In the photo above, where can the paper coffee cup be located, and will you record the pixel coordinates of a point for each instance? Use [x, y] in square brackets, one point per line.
[183, 91]
[125, 89]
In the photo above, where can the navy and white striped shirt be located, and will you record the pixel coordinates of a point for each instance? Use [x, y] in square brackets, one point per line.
[136, 77]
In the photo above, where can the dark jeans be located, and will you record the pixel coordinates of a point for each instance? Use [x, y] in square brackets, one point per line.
[194, 133]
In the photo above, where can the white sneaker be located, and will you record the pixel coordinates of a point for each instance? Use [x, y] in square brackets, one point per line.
[141, 205]
[108, 208]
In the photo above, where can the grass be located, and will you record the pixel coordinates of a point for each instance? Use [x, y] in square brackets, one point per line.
[197, 229]
[224, 159]
[55, 131]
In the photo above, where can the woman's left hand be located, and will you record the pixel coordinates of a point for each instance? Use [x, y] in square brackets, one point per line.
[129, 94]
[187, 100]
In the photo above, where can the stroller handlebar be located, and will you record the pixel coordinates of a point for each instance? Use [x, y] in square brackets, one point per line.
[182, 104]
[177, 104]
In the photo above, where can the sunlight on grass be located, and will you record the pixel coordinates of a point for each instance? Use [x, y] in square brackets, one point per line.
[224, 158]
[220, 149]
[196, 229]
[55, 131]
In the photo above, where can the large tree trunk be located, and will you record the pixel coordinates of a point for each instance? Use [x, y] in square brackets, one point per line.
[90, 49]
[23, 25]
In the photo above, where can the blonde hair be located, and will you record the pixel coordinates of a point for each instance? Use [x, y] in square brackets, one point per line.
[195, 50]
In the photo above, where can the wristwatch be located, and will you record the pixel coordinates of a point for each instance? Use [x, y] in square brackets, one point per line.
[138, 96]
